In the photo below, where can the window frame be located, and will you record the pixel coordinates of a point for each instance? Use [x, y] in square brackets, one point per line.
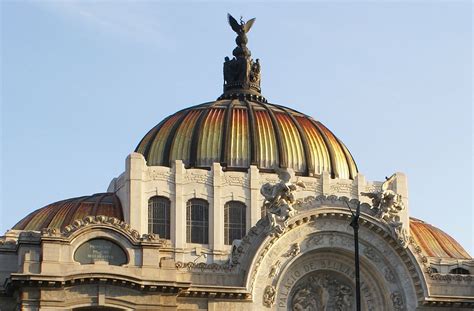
[154, 221]
[234, 225]
[197, 221]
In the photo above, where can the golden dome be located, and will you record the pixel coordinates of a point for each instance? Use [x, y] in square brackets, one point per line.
[60, 214]
[436, 243]
[238, 132]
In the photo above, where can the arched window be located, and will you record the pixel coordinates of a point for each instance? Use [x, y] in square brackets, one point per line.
[459, 271]
[197, 221]
[234, 221]
[159, 216]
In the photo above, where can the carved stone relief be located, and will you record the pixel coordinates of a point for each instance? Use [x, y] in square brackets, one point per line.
[269, 296]
[344, 188]
[370, 253]
[388, 204]
[397, 301]
[294, 250]
[321, 291]
[198, 178]
[229, 180]
[388, 274]
[279, 200]
[159, 175]
[275, 269]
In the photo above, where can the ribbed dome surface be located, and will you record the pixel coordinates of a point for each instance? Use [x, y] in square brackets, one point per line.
[435, 242]
[238, 133]
[63, 213]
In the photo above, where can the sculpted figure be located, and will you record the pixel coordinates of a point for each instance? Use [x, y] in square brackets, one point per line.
[240, 29]
[387, 202]
[322, 293]
[279, 198]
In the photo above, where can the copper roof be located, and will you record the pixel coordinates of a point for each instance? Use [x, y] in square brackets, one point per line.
[63, 213]
[435, 242]
[238, 133]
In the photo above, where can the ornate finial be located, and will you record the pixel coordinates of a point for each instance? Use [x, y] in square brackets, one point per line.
[241, 73]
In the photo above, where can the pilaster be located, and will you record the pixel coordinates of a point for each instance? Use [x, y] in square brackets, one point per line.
[216, 214]
[178, 227]
[400, 186]
[253, 213]
[326, 179]
[360, 184]
[137, 209]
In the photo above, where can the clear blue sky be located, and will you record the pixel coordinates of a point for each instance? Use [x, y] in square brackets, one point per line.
[82, 82]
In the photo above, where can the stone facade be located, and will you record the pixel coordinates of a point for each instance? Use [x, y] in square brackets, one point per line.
[309, 265]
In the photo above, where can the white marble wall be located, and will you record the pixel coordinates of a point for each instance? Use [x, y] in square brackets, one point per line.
[140, 182]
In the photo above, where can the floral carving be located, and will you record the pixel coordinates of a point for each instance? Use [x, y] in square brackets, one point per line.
[388, 274]
[294, 250]
[314, 240]
[269, 296]
[397, 301]
[202, 266]
[51, 232]
[370, 253]
[104, 220]
[275, 269]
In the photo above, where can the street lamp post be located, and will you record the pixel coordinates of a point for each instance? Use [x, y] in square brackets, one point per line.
[355, 225]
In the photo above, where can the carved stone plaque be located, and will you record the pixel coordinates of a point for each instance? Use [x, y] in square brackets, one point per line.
[100, 250]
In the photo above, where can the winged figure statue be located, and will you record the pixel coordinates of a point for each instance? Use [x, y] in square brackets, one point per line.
[387, 202]
[240, 28]
[280, 198]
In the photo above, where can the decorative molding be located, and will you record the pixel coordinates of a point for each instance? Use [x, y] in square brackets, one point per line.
[160, 175]
[112, 222]
[200, 178]
[99, 220]
[373, 188]
[232, 180]
[202, 266]
[344, 188]
[314, 186]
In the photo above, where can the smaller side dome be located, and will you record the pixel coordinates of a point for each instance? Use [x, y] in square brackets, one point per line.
[436, 243]
[63, 213]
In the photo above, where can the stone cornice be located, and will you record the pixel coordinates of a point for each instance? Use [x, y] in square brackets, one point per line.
[180, 289]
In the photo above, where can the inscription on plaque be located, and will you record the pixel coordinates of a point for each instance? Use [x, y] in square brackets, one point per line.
[100, 250]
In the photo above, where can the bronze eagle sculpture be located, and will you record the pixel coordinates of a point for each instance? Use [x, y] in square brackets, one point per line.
[240, 28]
